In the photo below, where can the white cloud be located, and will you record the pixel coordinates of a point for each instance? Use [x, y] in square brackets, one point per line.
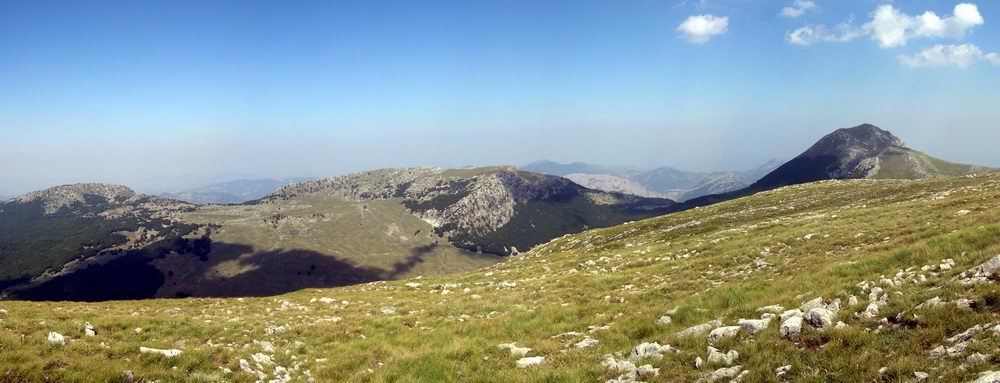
[811, 34]
[939, 55]
[892, 28]
[798, 8]
[699, 29]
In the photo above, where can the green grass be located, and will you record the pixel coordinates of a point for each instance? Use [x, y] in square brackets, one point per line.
[699, 262]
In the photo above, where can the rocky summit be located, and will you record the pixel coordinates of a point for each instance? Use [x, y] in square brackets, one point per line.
[864, 151]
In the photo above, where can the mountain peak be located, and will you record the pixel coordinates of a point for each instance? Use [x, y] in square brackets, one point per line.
[58, 197]
[873, 134]
[863, 151]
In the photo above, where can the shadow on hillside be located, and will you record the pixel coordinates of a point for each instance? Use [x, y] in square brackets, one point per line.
[276, 272]
[135, 276]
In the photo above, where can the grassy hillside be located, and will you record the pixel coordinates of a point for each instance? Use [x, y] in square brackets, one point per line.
[834, 240]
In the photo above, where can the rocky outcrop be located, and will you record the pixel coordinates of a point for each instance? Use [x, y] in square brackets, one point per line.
[465, 203]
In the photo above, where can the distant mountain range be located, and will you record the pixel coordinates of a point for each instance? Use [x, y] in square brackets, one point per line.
[664, 182]
[232, 192]
[97, 242]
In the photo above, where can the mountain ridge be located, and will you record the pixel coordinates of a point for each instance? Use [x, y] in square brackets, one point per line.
[662, 182]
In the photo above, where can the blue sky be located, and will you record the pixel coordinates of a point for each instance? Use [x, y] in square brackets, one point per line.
[155, 94]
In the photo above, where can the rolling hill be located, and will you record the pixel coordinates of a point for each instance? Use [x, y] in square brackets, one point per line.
[847, 280]
[97, 242]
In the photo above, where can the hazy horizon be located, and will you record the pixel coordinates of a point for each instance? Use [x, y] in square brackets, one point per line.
[162, 97]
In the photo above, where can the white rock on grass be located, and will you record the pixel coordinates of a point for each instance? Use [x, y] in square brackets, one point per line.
[931, 303]
[327, 300]
[700, 329]
[514, 349]
[647, 370]
[723, 332]
[988, 377]
[818, 302]
[773, 309]
[871, 311]
[388, 310]
[587, 342]
[167, 353]
[88, 330]
[790, 313]
[820, 317]
[791, 326]
[664, 320]
[783, 370]
[618, 365]
[920, 376]
[754, 326]
[57, 338]
[530, 361]
[976, 359]
[717, 357]
[982, 273]
[650, 350]
[722, 373]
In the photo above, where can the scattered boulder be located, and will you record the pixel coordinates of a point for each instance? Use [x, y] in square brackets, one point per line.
[920, 376]
[754, 326]
[988, 377]
[664, 320]
[722, 373]
[820, 317]
[790, 313]
[815, 303]
[723, 332]
[167, 353]
[930, 303]
[514, 349]
[647, 370]
[791, 326]
[717, 357]
[587, 342]
[88, 330]
[783, 370]
[530, 361]
[388, 310]
[650, 350]
[773, 309]
[700, 329]
[57, 338]
[976, 359]
[982, 273]
[871, 311]
[618, 365]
